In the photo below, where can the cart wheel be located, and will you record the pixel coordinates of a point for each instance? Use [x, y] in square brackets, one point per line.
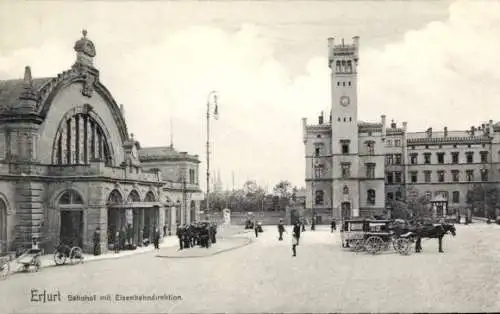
[402, 246]
[59, 258]
[4, 270]
[76, 255]
[374, 244]
[357, 245]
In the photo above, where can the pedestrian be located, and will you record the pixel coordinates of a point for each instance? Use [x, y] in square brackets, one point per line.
[303, 226]
[179, 235]
[117, 242]
[164, 230]
[296, 232]
[256, 228]
[156, 239]
[281, 229]
[295, 240]
[97, 241]
[333, 226]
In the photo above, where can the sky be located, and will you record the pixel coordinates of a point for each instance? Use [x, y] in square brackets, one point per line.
[430, 63]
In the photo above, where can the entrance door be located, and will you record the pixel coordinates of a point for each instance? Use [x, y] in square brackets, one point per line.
[71, 227]
[346, 210]
[439, 210]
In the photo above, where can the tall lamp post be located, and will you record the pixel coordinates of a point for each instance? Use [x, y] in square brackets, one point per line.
[212, 94]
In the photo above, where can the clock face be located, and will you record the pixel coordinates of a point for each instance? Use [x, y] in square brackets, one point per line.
[344, 101]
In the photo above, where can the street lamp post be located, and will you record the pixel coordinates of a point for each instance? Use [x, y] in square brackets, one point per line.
[208, 115]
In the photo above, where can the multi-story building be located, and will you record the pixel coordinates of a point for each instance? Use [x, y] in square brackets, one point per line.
[353, 168]
[69, 167]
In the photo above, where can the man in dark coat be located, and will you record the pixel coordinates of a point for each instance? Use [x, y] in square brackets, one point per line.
[97, 241]
[281, 229]
[256, 229]
[296, 231]
[179, 235]
[156, 239]
[333, 226]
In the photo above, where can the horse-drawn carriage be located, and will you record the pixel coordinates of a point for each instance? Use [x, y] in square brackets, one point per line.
[374, 236]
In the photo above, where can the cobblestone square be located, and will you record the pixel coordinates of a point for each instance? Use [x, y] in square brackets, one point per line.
[263, 277]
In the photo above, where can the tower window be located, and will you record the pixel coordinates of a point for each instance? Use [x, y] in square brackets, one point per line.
[349, 83]
[371, 197]
[344, 119]
[319, 197]
[338, 83]
[350, 119]
[343, 83]
[346, 169]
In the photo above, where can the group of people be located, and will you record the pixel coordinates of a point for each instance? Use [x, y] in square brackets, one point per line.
[198, 233]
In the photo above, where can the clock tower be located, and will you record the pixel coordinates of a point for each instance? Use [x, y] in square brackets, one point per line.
[343, 61]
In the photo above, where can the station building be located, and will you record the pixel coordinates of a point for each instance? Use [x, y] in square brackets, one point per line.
[354, 167]
[68, 165]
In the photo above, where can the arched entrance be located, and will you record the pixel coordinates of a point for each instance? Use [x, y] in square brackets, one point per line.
[116, 218]
[192, 216]
[3, 226]
[346, 210]
[133, 217]
[151, 216]
[70, 205]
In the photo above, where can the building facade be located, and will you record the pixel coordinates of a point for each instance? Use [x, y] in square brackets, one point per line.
[353, 168]
[69, 167]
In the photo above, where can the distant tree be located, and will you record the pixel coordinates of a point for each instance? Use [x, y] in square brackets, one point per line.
[484, 197]
[399, 209]
[283, 189]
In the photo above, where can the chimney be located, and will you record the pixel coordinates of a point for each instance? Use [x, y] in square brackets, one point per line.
[472, 131]
[382, 118]
[330, 117]
[393, 124]
[405, 126]
[304, 130]
[490, 128]
[429, 132]
[355, 40]
[320, 118]
[445, 131]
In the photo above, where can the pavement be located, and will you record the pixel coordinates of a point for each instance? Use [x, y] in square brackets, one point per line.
[168, 248]
[264, 278]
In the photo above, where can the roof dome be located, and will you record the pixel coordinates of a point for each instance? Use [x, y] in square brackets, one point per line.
[85, 46]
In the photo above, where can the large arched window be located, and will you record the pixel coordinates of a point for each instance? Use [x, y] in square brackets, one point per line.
[115, 198]
[3, 226]
[133, 197]
[370, 198]
[320, 195]
[150, 197]
[70, 197]
[80, 139]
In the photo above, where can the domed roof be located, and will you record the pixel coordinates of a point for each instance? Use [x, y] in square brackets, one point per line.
[85, 46]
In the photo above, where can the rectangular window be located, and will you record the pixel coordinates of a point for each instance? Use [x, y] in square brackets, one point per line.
[470, 157]
[370, 170]
[427, 176]
[397, 143]
[397, 177]
[317, 152]
[456, 175]
[398, 159]
[389, 143]
[427, 158]
[398, 195]
[454, 157]
[484, 174]
[484, 157]
[414, 158]
[440, 174]
[370, 147]
[318, 171]
[345, 146]
[388, 159]
[414, 176]
[470, 175]
[390, 196]
[440, 157]
[428, 195]
[346, 170]
[389, 178]
[456, 197]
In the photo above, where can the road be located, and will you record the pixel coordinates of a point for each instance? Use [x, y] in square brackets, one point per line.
[264, 277]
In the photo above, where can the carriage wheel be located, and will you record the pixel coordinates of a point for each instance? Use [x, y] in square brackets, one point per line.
[357, 245]
[4, 270]
[59, 258]
[374, 244]
[402, 246]
[76, 255]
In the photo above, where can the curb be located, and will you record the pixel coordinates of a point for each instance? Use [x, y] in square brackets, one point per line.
[248, 241]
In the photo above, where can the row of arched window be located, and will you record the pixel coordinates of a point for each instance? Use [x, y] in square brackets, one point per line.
[343, 66]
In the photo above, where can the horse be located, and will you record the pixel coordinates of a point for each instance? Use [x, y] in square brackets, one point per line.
[435, 231]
